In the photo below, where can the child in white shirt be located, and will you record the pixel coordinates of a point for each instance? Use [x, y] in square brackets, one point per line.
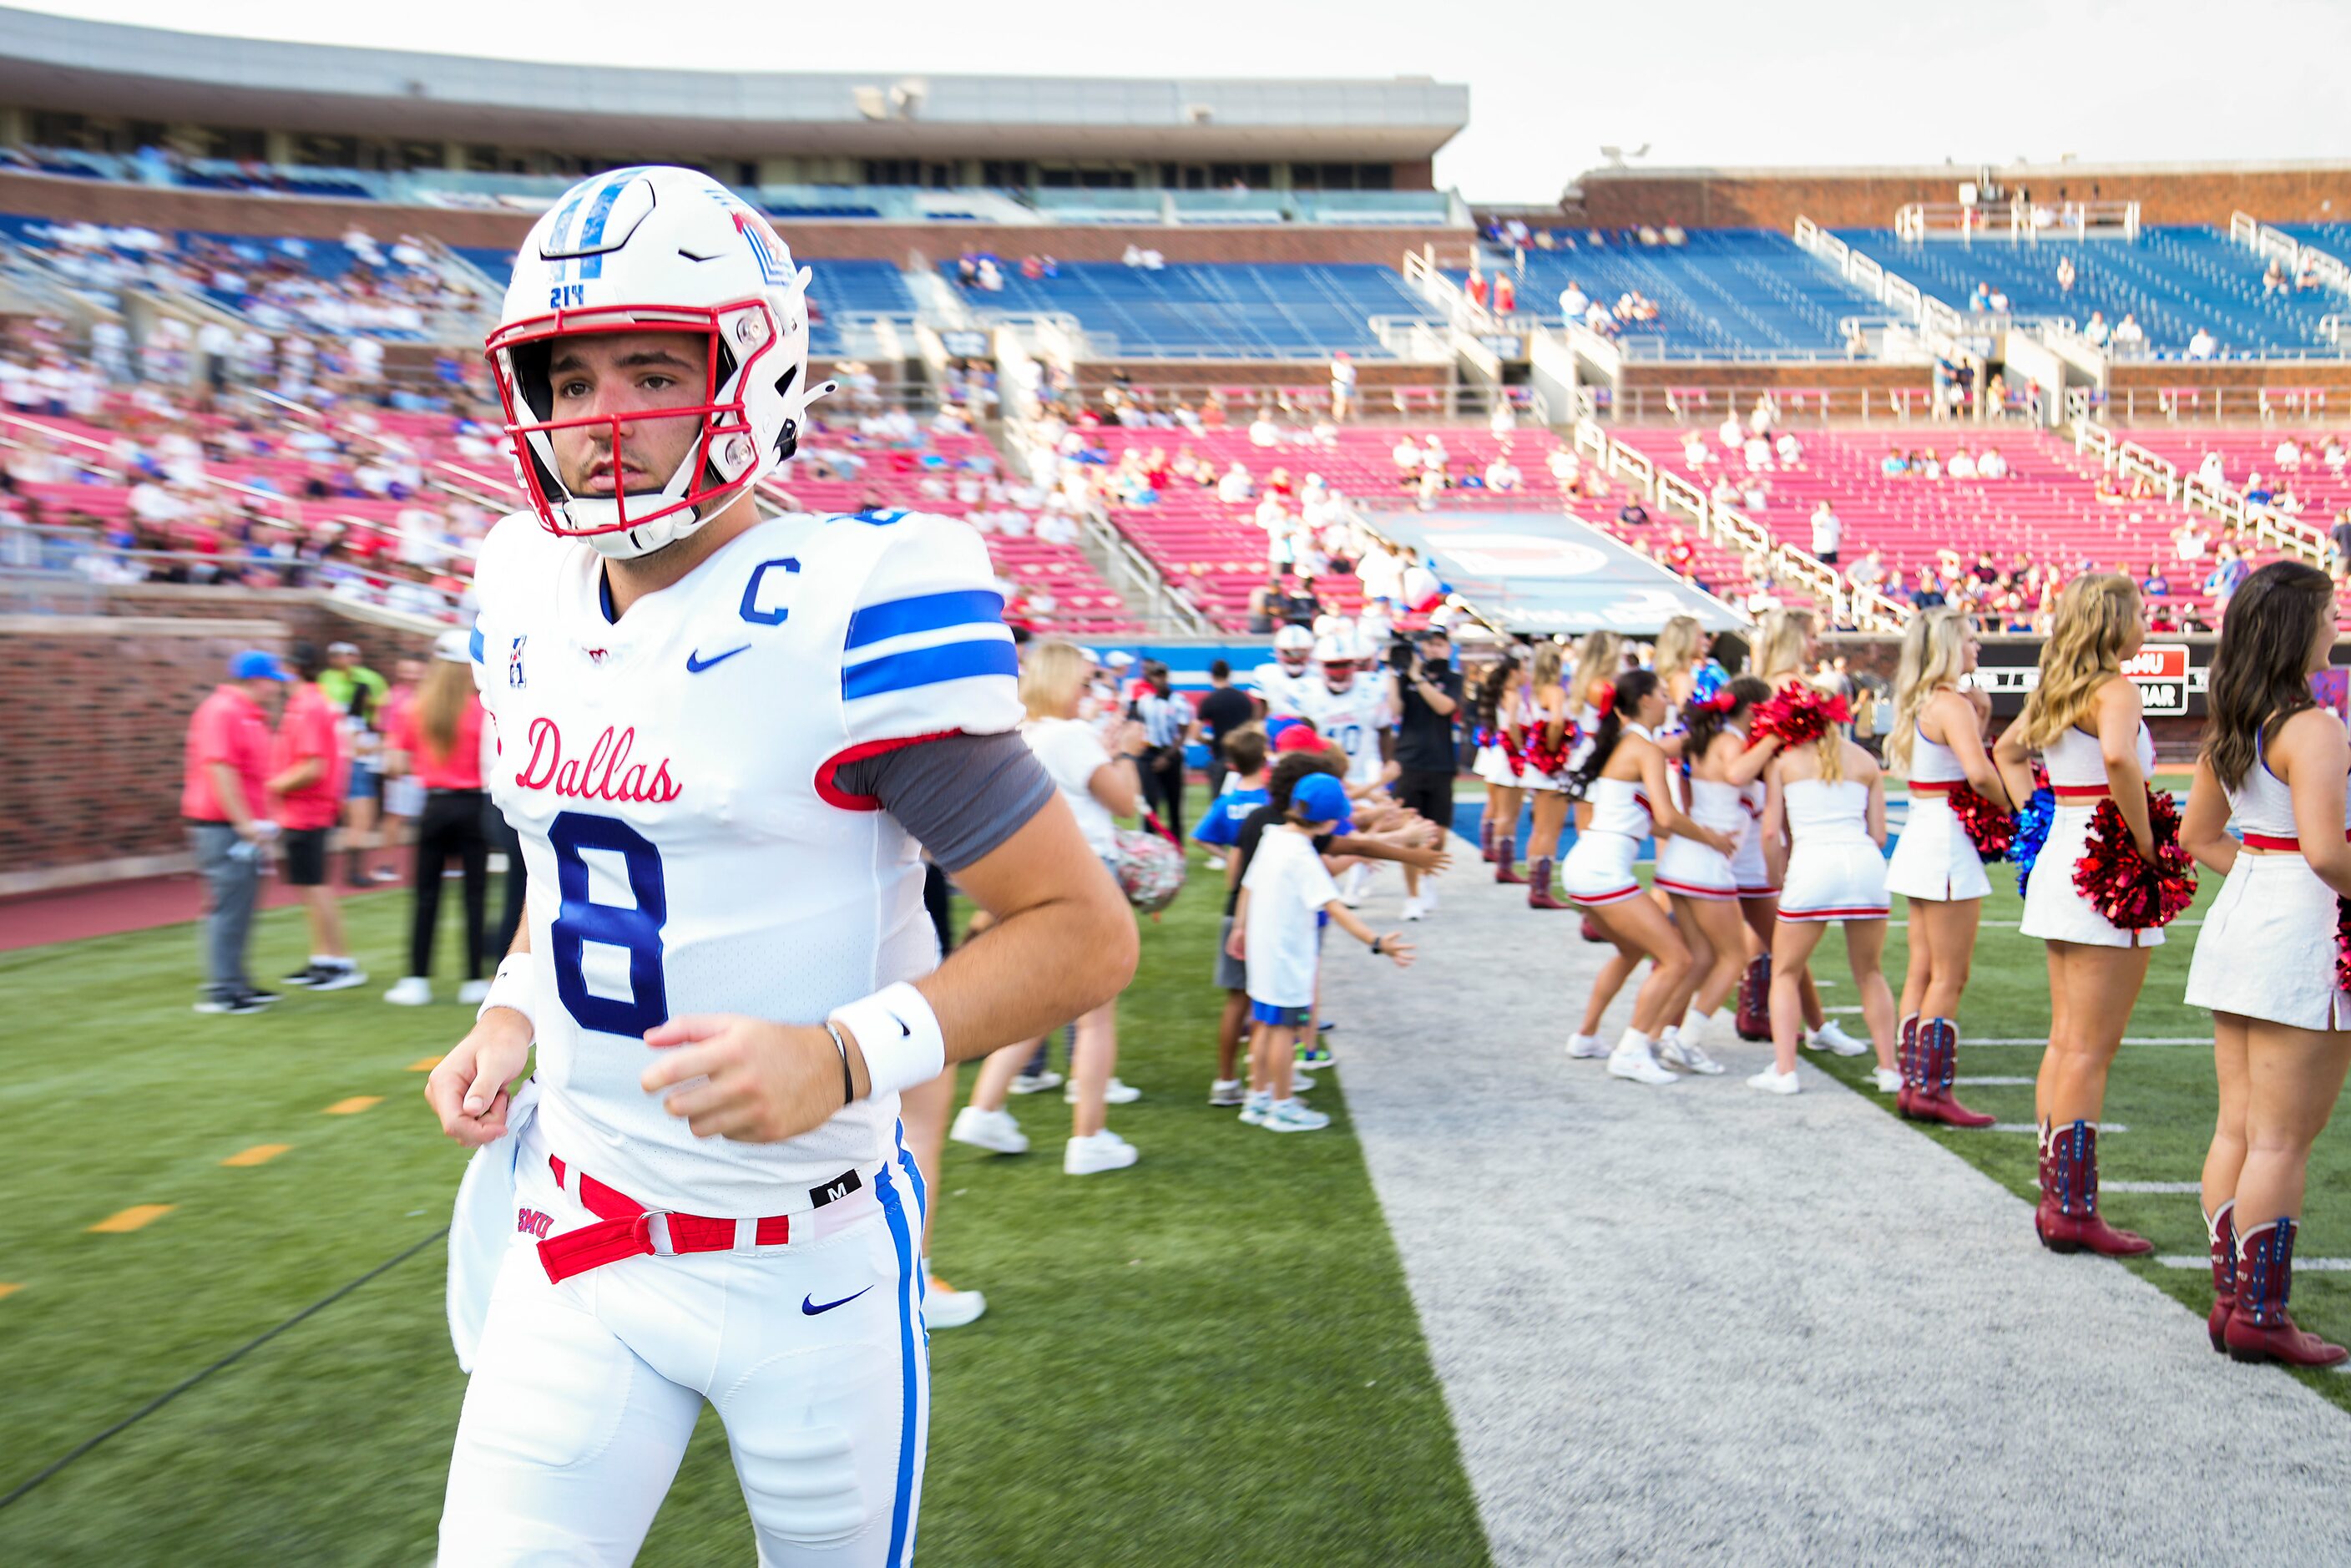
[1286, 898]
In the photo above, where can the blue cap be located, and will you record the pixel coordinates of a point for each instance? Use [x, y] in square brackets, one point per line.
[252, 665]
[1320, 797]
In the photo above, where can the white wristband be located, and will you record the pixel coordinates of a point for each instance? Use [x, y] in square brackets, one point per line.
[899, 1037]
[515, 986]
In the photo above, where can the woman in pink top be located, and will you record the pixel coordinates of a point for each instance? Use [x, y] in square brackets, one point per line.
[440, 737]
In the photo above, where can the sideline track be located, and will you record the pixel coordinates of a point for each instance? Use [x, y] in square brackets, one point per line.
[1702, 1324]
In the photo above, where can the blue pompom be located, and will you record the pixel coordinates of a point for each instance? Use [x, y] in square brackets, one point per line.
[1710, 678]
[2031, 832]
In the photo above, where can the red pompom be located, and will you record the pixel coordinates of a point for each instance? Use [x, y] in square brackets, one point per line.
[1799, 715]
[1542, 757]
[2343, 944]
[2134, 893]
[1989, 828]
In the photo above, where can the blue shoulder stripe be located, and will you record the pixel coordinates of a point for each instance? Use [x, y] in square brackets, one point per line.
[474, 643]
[929, 666]
[924, 612]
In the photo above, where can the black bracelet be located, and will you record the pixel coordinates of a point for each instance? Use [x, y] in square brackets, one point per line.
[848, 1084]
[1375, 946]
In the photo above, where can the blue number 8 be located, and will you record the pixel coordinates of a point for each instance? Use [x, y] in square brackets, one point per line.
[581, 921]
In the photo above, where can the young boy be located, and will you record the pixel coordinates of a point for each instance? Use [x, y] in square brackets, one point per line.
[1244, 755]
[1287, 895]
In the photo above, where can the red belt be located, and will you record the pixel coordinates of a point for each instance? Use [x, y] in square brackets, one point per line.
[1935, 786]
[2078, 792]
[2283, 846]
[627, 1228]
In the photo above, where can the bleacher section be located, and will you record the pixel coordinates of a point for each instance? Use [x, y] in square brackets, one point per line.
[2323, 488]
[2047, 511]
[1726, 294]
[1234, 311]
[2173, 279]
[836, 288]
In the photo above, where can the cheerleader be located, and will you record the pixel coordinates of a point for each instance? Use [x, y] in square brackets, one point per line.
[1825, 834]
[1623, 779]
[2267, 962]
[1786, 641]
[1679, 654]
[1938, 741]
[1698, 879]
[2083, 719]
[1544, 733]
[1497, 765]
[1599, 660]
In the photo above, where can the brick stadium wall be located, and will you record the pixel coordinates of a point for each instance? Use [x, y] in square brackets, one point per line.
[2329, 373]
[1733, 373]
[237, 212]
[93, 739]
[1868, 198]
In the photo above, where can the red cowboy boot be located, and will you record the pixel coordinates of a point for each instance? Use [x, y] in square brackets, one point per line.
[2076, 1225]
[2260, 1328]
[1937, 1052]
[1754, 1020]
[1906, 1055]
[1506, 862]
[2221, 1229]
[1538, 892]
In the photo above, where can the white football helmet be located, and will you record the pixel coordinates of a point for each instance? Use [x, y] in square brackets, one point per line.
[1339, 657]
[665, 250]
[1294, 646]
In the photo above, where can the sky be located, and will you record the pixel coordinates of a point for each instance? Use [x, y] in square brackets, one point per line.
[1550, 81]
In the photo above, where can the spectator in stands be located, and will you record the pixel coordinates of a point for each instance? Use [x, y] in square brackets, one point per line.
[2190, 623]
[1928, 466]
[2288, 454]
[1962, 465]
[2230, 570]
[2273, 278]
[1632, 514]
[1262, 431]
[2095, 330]
[1434, 481]
[1725, 492]
[2339, 535]
[1869, 572]
[2157, 583]
[1679, 555]
[1506, 295]
[1298, 605]
[1980, 300]
[1405, 454]
[1757, 454]
[1992, 465]
[2202, 345]
[1696, 453]
[2065, 274]
[1343, 384]
[1828, 533]
[1476, 288]
[1730, 434]
[1501, 473]
[1893, 466]
[1856, 340]
[1572, 301]
[1503, 420]
[2108, 491]
[223, 796]
[1235, 487]
[1266, 606]
[2129, 336]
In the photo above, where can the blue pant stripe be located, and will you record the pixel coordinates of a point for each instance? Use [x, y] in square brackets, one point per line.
[901, 1509]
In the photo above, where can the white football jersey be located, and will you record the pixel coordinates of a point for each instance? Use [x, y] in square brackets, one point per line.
[1354, 719]
[1285, 694]
[671, 776]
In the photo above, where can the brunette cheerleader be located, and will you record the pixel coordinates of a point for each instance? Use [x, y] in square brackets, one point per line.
[2268, 962]
[1544, 733]
[1824, 833]
[2083, 719]
[1698, 879]
[1623, 779]
[1938, 741]
[1787, 643]
[1497, 765]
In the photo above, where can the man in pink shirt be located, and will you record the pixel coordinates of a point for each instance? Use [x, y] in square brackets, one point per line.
[223, 799]
[308, 768]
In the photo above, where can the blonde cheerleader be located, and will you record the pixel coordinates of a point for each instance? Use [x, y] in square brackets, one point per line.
[1497, 765]
[1545, 734]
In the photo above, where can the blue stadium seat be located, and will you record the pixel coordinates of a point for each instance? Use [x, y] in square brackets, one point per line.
[1245, 310]
[1725, 294]
[2174, 279]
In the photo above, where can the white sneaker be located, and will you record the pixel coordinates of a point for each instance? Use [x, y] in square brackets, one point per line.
[1680, 1051]
[1632, 1059]
[994, 1131]
[1216, 862]
[474, 993]
[1254, 1107]
[1413, 908]
[944, 1307]
[1887, 1078]
[1428, 898]
[1775, 1083]
[1116, 1094]
[1228, 1091]
[1104, 1151]
[1585, 1048]
[416, 991]
[1290, 1116]
[339, 977]
[1353, 885]
[1832, 1036]
[1035, 1084]
[1301, 1083]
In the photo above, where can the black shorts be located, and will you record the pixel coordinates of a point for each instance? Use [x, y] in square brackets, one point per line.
[1430, 793]
[306, 856]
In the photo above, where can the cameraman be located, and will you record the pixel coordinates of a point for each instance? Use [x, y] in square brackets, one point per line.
[1426, 755]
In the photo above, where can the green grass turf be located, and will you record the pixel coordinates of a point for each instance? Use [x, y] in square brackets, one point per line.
[2163, 1095]
[1209, 1359]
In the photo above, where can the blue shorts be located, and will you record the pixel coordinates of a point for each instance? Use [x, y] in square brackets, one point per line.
[366, 783]
[1279, 1017]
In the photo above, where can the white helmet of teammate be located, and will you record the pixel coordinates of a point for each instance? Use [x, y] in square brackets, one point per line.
[1294, 646]
[654, 249]
[1339, 657]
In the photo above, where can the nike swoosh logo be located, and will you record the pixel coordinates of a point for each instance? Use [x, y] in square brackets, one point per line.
[809, 1306]
[695, 664]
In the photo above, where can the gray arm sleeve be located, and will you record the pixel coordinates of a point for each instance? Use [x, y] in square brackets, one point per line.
[960, 796]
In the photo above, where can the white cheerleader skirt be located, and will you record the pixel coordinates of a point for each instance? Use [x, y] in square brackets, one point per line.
[1691, 869]
[1747, 867]
[1934, 859]
[1598, 869]
[2267, 949]
[1494, 768]
[1836, 879]
[1548, 782]
[2054, 910]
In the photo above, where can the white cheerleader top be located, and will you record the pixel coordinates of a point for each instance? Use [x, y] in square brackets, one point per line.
[1823, 813]
[1931, 762]
[1619, 806]
[2076, 761]
[2263, 804]
[1717, 805]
